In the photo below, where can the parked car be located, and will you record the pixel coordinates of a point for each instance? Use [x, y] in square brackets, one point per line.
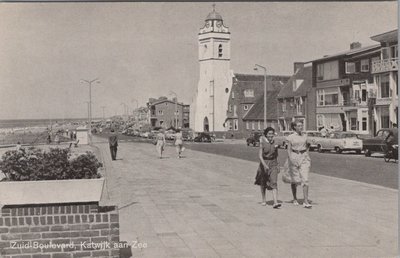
[313, 137]
[202, 137]
[254, 139]
[187, 135]
[281, 140]
[339, 142]
[377, 144]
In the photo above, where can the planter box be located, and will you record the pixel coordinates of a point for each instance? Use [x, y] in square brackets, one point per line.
[51, 191]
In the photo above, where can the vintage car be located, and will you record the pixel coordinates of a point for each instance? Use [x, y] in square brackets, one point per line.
[339, 142]
[377, 144]
[254, 139]
[202, 137]
[313, 137]
[280, 138]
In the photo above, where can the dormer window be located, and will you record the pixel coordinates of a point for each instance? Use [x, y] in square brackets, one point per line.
[220, 50]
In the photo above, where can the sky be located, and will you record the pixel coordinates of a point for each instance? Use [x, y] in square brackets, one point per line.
[145, 50]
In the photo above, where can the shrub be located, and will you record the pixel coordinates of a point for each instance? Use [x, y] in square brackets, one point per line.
[33, 164]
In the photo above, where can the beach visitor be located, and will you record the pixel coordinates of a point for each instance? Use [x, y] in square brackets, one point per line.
[299, 162]
[57, 138]
[160, 143]
[18, 146]
[48, 138]
[267, 173]
[179, 143]
[113, 143]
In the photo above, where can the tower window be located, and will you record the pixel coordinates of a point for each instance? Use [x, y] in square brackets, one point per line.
[220, 50]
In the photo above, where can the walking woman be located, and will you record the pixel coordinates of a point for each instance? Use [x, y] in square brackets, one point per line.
[299, 162]
[160, 143]
[179, 143]
[267, 173]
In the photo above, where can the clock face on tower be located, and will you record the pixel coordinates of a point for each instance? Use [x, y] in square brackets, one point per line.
[219, 24]
[208, 24]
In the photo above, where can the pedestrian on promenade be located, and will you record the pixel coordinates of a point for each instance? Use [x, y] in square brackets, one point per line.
[299, 162]
[113, 143]
[160, 143]
[267, 172]
[57, 138]
[179, 143]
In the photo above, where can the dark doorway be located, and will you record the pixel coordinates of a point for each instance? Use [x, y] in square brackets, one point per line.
[206, 126]
[343, 122]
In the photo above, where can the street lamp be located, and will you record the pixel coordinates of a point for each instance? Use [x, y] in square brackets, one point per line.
[265, 91]
[176, 107]
[90, 100]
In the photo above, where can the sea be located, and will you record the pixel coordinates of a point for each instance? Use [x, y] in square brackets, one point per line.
[29, 123]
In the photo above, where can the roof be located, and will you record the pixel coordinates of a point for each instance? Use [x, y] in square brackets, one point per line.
[390, 36]
[214, 16]
[259, 77]
[257, 111]
[305, 74]
[348, 52]
[164, 100]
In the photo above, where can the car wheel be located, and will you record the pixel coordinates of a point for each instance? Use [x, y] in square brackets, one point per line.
[248, 144]
[320, 148]
[367, 153]
[358, 151]
[338, 150]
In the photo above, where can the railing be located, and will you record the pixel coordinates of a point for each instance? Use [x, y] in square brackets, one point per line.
[385, 65]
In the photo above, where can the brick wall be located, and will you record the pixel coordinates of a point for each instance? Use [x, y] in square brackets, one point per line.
[64, 230]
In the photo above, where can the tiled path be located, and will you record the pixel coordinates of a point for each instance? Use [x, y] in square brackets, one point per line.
[207, 206]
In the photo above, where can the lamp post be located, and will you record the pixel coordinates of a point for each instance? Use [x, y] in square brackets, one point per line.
[125, 108]
[90, 100]
[176, 108]
[265, 91]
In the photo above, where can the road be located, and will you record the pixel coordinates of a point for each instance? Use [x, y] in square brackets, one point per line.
[372, 170]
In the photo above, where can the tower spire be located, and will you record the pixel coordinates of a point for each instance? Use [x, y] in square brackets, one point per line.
[213, 7]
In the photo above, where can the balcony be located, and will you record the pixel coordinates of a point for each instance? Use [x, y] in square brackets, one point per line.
[386, 65]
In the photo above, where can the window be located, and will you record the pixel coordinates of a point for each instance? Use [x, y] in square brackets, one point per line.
[220, 50]
[328, 97]
[364, 124]
[246, 107]
[249, 93]
[259, 125]
[160, 112]
[365, 65]
[296, 84]
[247, 125]
[233, 95]
[353, 123]
[350, 67]
[393, 50]
[320, 72]
[253, 125]
[299, 104]
[328, 71]
[385, 53]
[230, 108]
[384, 87]
[230, 125]
[364, 95]
[235, 125]
[234, 110]
[284, 106]
[320, 98]
[357, 95]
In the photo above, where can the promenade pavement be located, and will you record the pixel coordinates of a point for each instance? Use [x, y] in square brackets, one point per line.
[206, 205]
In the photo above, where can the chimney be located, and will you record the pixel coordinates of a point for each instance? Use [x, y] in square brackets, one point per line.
[297, 66]
[355, 45]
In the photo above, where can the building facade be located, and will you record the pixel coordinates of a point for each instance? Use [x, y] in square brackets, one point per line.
[209, 105]
[245, 93]
[296, 100]
[168, 113]
[385, 81]
[344, 92]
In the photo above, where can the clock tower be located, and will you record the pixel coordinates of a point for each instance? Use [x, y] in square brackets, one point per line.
[210, 103]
